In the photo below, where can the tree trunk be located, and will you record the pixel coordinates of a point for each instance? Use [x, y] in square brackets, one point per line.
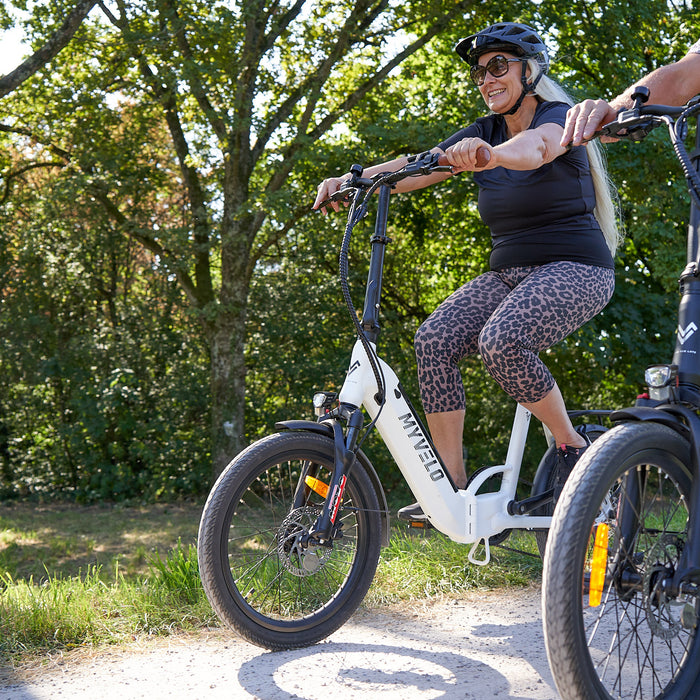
[228, 373]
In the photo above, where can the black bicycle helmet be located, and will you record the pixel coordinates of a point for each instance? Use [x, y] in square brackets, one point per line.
[518, 39]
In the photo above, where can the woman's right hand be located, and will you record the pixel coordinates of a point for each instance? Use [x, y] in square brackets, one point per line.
[471, 154]
[327, 188]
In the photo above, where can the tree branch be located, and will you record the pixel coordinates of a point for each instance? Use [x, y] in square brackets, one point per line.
[312, 86]
[147, 241]
[19, 172]
[215, 119]
[58, 40]
[165, 90]
[56, 150]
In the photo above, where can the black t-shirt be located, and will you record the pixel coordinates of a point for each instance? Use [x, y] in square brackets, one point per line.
[543, 215]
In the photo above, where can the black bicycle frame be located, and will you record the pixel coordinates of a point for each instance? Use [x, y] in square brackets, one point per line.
[680, 413]
[687, 358]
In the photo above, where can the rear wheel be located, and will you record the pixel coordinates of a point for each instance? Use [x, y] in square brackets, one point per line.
[613, 628]
[260, 576]
[548, 465]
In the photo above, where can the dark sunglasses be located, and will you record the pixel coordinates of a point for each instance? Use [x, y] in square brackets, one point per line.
[497, 66]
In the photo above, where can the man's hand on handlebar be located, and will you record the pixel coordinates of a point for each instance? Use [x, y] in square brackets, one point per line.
[584, 120]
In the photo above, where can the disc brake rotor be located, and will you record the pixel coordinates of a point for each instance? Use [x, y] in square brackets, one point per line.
[296, 558]
[663, 613]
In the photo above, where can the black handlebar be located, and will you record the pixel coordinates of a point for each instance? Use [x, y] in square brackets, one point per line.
[421, 164]
[633, 124]
[638, 121]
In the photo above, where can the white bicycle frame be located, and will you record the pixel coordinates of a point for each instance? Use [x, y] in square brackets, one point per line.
[463, 515]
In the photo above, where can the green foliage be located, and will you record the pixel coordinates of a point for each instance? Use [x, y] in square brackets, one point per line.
[114, 281]
[102, 371]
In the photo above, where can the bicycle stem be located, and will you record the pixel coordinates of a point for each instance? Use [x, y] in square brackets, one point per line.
[378, 243]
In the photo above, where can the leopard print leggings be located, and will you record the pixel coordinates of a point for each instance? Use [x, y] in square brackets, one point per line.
[508, 317]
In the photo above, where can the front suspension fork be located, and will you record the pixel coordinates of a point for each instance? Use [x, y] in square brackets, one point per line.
[686, 577]
[687, 574]
[345, 447]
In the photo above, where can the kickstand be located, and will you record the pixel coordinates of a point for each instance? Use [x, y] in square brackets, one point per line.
[487, 552]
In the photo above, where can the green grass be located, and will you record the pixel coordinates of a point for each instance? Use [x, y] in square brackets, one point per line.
[65, 539]
[63, 612]
[75, 576]
[419, 566]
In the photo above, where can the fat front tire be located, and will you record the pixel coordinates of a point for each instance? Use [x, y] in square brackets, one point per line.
[612, 629]
[259, 577]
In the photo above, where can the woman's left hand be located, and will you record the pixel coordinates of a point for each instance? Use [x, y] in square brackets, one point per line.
[471, 154]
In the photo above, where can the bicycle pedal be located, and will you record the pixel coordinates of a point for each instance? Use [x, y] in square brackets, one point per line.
[420, 524]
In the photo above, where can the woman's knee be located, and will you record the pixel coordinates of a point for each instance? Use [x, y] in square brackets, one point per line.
[498, 347]
[437, 344]
[422, 340]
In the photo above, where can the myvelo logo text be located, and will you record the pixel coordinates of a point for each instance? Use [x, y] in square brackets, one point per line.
[422, 446]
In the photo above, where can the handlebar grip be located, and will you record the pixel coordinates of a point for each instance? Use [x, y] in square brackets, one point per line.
[482, 158]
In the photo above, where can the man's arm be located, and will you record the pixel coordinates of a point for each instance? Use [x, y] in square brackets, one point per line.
[673, 84]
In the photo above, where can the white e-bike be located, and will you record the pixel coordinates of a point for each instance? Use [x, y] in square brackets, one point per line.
[291, 533]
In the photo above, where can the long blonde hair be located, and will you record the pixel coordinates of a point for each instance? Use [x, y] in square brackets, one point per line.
[607, 209]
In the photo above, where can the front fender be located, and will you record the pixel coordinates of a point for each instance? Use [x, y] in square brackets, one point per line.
[307, 425]
[674, 416]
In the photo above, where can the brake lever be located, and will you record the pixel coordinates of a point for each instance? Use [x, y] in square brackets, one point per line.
[636, 132]
[425, 164]
[640, 128]
[344, 194]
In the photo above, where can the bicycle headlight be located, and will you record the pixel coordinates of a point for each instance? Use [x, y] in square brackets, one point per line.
[657, 376]
[322, 402]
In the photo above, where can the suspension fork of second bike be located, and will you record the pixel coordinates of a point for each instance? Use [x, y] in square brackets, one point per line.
[629, 516]
[688, 569]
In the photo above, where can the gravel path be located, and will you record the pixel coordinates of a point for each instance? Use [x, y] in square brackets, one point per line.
[486, 645]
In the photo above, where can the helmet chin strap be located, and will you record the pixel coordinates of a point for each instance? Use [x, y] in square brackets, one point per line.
[527, 89]
[519, 101]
